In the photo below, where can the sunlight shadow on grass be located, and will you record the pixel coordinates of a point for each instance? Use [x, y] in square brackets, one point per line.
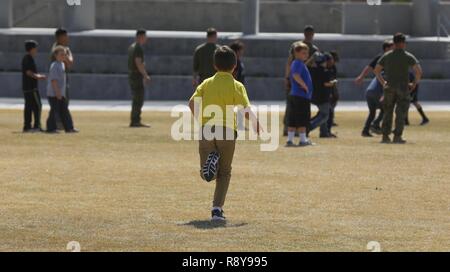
[207, 224]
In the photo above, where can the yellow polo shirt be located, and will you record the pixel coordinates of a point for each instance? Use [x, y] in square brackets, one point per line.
[220, 91]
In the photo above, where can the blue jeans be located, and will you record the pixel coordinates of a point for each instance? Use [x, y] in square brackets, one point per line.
[321, 119]
[373, 102]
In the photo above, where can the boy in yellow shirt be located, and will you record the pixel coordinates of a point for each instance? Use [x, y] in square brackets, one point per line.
[211, 102]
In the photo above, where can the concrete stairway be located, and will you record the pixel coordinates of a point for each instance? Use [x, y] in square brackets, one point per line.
[101, 62]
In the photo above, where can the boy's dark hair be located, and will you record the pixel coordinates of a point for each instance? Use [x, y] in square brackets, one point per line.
[224, 58]
[335, 55]
[399, 38]
[237, 46]
[141, 32]
[30, 44]
[210, 32]
[60, 32]
[387, 44]
[308, 28]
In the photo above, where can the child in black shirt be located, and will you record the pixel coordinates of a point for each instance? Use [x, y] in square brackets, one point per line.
[30, 77]
[324, 83]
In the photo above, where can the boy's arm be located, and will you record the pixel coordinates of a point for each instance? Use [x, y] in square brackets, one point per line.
[418, 72]
[359, 80]
[192, 106]
[300, 81]
[330, 84]
[56, 89]
[31, 74]
[287, 72]
[250, 115]
[377, 72]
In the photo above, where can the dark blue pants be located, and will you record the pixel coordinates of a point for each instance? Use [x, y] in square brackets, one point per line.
[374, 104]
[61, 108]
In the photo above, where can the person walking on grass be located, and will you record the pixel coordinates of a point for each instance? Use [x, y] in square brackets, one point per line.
[373, 94]
[56, 93]
[417, 105]
[138, 78]
[396, 86]
[30, 77]
[217, 150]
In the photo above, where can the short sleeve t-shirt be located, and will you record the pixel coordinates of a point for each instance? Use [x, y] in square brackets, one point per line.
[28, 64]
[221, 90]
[134, 51]
[374, 62]
[299, 67]
[396, 66]
[57, 72]
[321, 94]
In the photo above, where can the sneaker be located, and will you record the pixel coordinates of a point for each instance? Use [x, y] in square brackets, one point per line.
[139, 125]
[386, 140]
[290, 144]
[217, 215]
[307, 143]
[399, 140]
[73, 131]
[376, 129]
[211, 167]
[366, 134]
[425, 122]
[38, 130]
[52, 131]
[329, 136]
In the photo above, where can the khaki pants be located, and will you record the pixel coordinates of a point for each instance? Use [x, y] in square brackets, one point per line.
[398, 99]
[226, 150]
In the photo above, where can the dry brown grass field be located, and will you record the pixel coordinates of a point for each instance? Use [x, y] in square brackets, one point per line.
[112, 188]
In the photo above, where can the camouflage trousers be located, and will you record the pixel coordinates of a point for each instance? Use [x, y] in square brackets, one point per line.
[395, 99]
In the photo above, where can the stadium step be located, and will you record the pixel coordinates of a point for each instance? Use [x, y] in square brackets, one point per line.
[115, 87]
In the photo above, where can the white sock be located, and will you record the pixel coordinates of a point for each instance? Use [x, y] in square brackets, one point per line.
[303, 138]
[291, 136]
[217, 208]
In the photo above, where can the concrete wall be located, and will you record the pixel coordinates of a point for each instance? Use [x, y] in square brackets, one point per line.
[186, 15]
[384, 19]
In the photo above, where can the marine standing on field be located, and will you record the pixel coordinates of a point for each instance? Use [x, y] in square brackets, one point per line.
[396, 86]
[204, 58]
[137, 77]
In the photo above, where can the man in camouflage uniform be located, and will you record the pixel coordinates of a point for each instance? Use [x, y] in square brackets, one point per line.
[137, 77]
[396, 86]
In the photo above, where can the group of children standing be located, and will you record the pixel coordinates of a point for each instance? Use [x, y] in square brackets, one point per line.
[56, 88]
